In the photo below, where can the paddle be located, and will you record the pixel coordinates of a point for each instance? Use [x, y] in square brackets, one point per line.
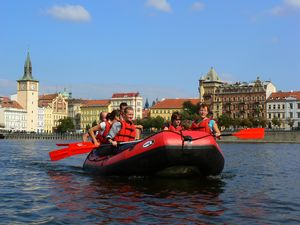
[250, 133]
[78, 148]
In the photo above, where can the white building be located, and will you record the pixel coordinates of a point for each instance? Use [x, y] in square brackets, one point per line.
[12, 116]
[41, 120]
[132, 99]
[285, 106]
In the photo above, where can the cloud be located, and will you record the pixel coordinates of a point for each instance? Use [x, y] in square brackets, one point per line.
[75, 13]
[286, 7]
[161, 5]
[198, 6]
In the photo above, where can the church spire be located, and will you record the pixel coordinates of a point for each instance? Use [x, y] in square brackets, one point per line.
[27, 69]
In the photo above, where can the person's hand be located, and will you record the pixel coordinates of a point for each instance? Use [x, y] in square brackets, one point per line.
[114, 143]
[218, 135]
[97, 144]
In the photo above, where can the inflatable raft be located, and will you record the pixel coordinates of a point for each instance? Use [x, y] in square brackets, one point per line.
[165, 153]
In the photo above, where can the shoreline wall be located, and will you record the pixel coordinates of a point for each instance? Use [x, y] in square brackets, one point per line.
[270, 137]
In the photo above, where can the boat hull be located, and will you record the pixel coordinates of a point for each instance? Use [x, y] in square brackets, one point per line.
[165, 154]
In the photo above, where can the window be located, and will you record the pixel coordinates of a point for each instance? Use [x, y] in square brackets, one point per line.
[298, 105]
[278, 115]
[291, 105]
[278, 106]
[291, 115]
[269, 116]
[274, 106]
[269, 106]
[298, 114]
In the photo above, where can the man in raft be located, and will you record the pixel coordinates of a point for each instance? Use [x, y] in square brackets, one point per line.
[204, 123]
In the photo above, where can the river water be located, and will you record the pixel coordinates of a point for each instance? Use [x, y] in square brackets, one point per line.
[260, 184]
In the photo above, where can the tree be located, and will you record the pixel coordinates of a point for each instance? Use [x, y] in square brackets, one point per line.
[94, 123]
[66, 125]
[290, 122]
[153, 103]
[225, 121]
[87, 127]
[276, 122]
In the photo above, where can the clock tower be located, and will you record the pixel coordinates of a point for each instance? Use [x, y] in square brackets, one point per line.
[28, 94]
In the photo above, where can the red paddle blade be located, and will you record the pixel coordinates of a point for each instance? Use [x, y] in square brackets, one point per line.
[251, 133]
[73, 149]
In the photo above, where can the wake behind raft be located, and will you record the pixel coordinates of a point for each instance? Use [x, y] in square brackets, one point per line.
[165, 153]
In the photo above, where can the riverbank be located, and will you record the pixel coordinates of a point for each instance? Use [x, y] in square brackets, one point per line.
[270, 137]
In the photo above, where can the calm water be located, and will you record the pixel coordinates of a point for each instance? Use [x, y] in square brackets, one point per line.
[260, 184]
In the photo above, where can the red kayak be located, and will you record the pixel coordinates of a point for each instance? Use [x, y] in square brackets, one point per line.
[165, 153]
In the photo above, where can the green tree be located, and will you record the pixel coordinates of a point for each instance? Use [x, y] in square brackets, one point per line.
[87, 127]
[225, 121]
[276, 122]
[94, 123]
[66, 125]
[290, 122]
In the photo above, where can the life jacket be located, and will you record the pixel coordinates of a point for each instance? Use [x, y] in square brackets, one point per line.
[175, 129]
[101, 137]
[201, 126]
[127, 132]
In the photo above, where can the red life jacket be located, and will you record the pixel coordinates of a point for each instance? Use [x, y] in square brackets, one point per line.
[201, 126]
[127, 132]
[101, 137]
[175, 129]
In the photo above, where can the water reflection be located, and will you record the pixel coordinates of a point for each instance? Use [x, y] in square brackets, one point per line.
[137, 200]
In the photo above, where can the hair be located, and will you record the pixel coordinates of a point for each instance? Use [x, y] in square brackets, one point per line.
[115, 113]
[123, 105]
[108, 116]
[101, 115]
[204, 105]
[127, 109]
[175, 115]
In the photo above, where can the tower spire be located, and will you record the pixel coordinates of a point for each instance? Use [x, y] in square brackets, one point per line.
[27, 69]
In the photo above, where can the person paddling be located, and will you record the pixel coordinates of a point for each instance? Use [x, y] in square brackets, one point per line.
[123, 130]
[103, 128]
[204, 123]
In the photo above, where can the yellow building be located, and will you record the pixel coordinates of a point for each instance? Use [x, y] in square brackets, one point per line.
[166, 107]
[55, 108]
[90, 111]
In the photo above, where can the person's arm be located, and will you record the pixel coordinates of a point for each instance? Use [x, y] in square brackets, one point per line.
[216, 130]
[115, 128]
[92, 134]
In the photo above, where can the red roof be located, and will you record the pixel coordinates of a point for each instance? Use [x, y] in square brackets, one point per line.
[280, 96]
[44, 100]
[89, 103]
[174, 103]
[7, 103]
[125, 95]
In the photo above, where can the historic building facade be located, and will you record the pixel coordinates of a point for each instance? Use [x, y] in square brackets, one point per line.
[238, 100]
[55, 107]
[90, 112]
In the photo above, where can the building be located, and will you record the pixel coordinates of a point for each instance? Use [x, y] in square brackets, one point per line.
[243, 100]
[74, 111]
[208, 86]
[13, 117]
[166, 107]
[55, 108]
[27, 95]
[238, 100]
[90, 111]
[285, 107]
[132, 99]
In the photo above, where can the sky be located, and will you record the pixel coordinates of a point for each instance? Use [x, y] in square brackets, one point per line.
[159, 48]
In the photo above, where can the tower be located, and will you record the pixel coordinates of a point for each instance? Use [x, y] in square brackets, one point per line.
[27, 95]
